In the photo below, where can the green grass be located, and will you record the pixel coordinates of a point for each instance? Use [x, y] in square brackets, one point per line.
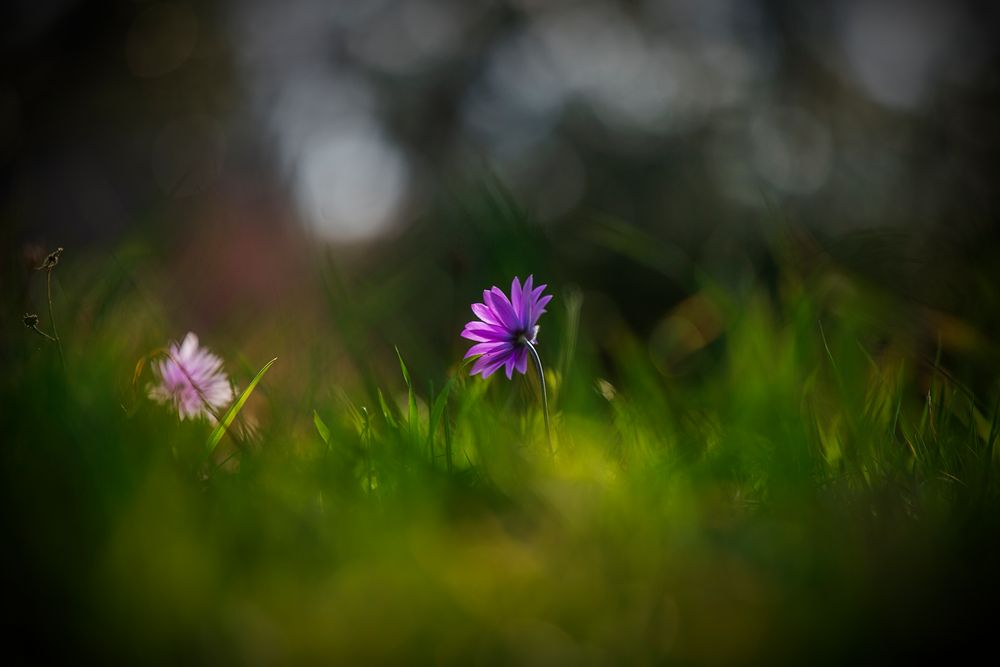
[774, 471]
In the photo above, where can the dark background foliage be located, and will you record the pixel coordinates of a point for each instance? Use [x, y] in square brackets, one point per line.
[231, 134]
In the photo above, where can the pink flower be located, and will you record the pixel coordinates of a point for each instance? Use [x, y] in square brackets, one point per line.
[191, 380]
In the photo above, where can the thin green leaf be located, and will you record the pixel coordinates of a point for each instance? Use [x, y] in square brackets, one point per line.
[411, 401]
[438, 409]
[406, 373]
[230, 415]
[387, 412]
[321, 427]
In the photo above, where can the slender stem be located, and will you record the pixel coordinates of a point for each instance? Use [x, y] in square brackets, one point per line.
[42, 333]
[52, 320]
[541, 382]
[226, 460]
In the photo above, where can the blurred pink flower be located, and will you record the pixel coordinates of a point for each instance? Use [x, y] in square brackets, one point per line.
[191, 380]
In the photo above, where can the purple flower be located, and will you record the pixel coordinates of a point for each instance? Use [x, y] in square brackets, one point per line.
[191, 379]
[505, 328]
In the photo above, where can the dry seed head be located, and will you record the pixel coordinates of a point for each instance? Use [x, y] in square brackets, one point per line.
[51, 260]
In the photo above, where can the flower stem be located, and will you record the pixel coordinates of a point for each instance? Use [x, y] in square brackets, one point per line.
[541, 382]
[42, 333]
[52, 320]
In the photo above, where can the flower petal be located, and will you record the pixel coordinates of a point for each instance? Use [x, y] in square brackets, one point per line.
[524, 313]
[521, 360]
[188, 348]
[484, 313]
[500, 304]
[492, 368]
[538, 308]
[488, 348]
[484, 333]
[515, 298]
[488, 364]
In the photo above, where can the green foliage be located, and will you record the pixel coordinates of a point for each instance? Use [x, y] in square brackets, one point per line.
[759, 478]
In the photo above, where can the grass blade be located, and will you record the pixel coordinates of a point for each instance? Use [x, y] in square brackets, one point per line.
[387, 412]
[321, 427]
[438, 409]
[411, 401]
[230, 415]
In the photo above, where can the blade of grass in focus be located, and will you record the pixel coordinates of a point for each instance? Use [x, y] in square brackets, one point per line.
[412, 417]
[227, 419]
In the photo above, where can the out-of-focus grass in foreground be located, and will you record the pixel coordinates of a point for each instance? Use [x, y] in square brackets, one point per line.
[774, 473]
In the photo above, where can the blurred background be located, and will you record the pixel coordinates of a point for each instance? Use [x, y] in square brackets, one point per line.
[230, 143]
